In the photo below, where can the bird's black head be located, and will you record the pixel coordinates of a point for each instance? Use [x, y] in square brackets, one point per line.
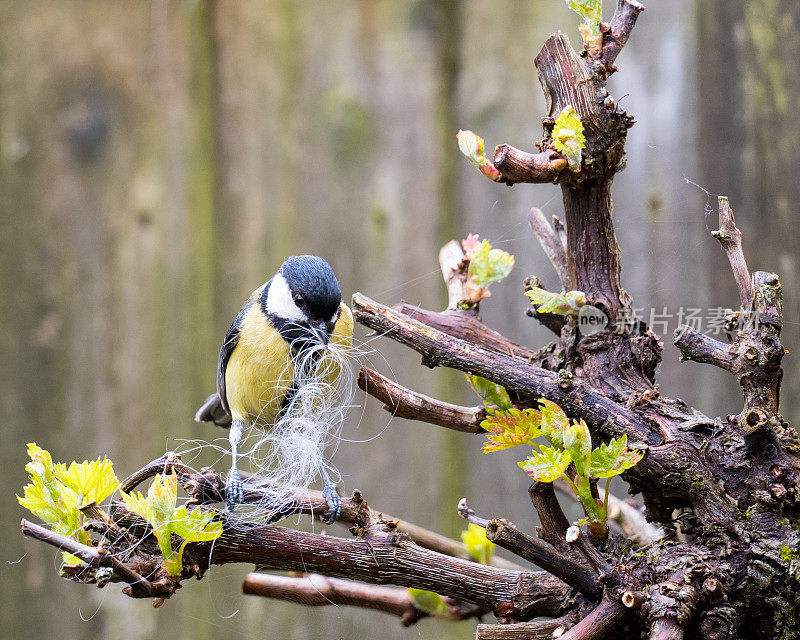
[302, 301]
[314, 287]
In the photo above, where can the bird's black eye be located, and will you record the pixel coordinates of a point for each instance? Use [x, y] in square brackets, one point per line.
[298, 300]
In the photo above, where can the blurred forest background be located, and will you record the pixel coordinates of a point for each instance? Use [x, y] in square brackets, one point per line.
[158, 161]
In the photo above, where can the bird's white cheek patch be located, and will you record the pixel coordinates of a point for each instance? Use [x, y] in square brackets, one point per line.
[280, 301]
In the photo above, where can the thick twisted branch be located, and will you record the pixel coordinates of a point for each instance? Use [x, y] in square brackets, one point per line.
[383, 557]
[380, 555]
[440, 349]
[678, 460]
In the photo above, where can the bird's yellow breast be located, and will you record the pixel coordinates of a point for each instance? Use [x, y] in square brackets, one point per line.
[260, 371]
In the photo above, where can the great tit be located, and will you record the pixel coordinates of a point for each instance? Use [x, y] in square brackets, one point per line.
[296, 312]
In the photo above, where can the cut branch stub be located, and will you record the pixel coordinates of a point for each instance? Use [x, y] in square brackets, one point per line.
[520, 166]
[454, 265]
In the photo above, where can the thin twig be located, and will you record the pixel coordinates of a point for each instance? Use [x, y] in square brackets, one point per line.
[318, 591]
[551, 244]
[140, 587]
[168, 463]
[619, 30]
[405, 403]
[730, 238]
[469, 515]
[554, 522]
[505, 534]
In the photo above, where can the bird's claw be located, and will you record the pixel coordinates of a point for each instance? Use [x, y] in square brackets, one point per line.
[334, 501]
[234, 489]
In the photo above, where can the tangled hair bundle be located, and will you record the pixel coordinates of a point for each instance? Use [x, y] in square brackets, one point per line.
[286, 457]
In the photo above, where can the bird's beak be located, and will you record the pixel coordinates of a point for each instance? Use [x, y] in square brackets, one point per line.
[320, 332]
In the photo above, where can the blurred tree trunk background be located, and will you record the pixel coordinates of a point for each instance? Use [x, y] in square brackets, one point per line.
[158, 160]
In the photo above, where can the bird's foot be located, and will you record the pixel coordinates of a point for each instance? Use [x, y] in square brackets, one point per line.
[334, 501]
[234, 489]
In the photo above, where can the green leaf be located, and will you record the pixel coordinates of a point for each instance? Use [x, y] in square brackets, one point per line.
[591, 11]
[568, 137]
[160, 510]
[490, 392]
[546, 465]
[510, 428]
[92, 482]
[554, 421]
[478, 545]
[487, 265]
[196, 525]
[471, 146]
[430, 602]
[613, 459]
[578, 441]
[158, 507]
[56, 492]
[563, 304]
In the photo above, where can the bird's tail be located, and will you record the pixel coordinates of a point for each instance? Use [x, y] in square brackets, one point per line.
[212, 411]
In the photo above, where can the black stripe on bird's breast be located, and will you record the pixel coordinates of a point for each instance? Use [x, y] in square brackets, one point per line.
[305, 350]
[304, 345]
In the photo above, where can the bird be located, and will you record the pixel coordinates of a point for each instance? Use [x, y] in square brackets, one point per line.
[285, 325]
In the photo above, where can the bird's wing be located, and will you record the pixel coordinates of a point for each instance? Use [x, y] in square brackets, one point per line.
[230, 342]
[343, 332]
